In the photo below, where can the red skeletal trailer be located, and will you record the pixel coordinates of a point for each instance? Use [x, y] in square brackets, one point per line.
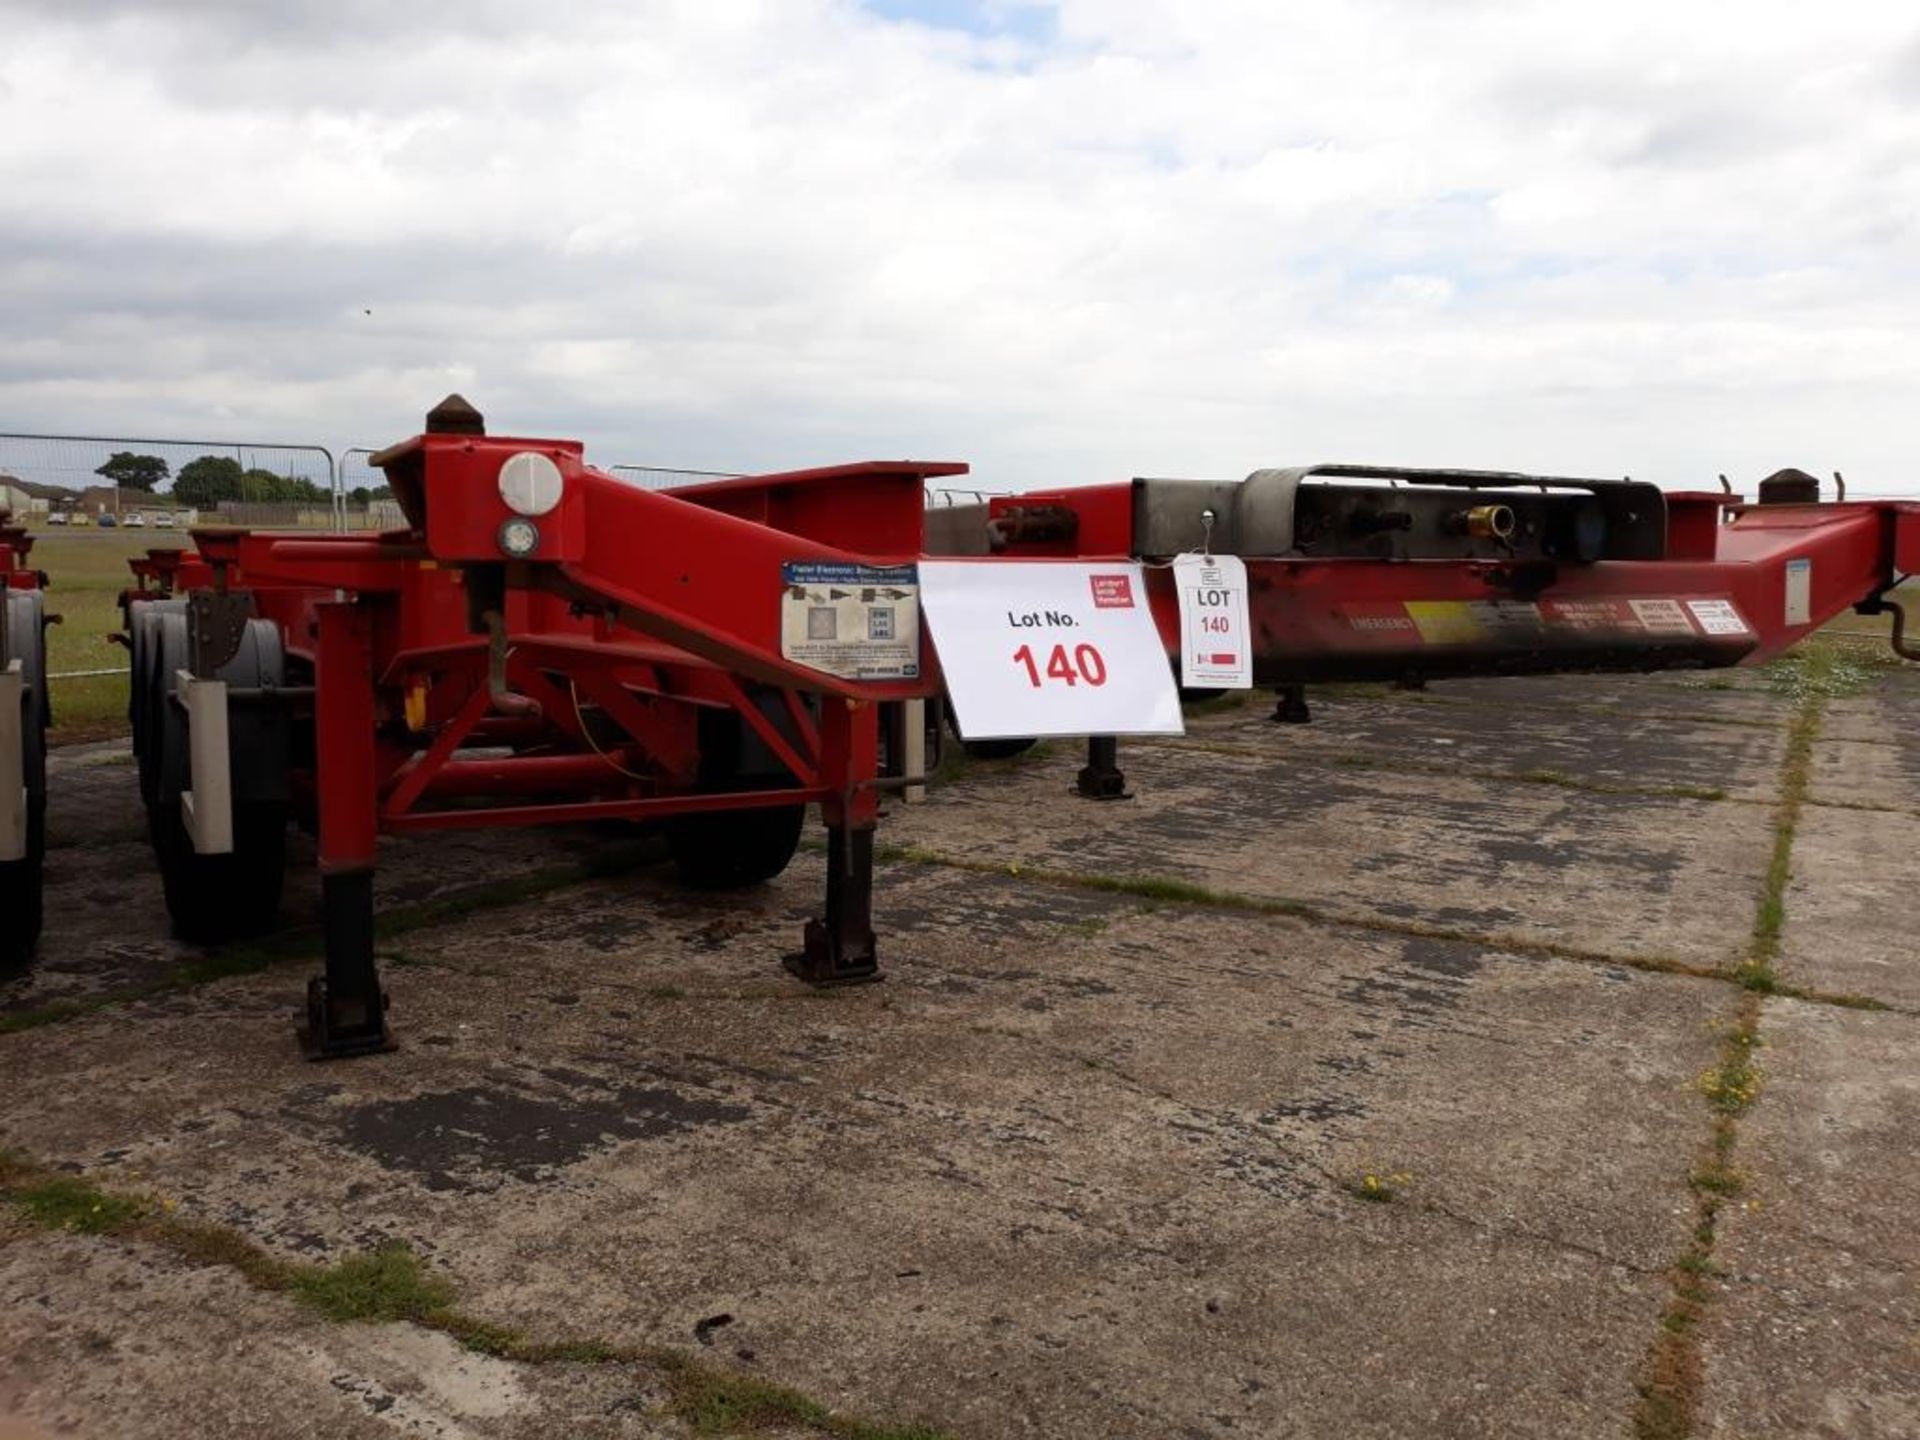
[24, 716]
[546, 643]
[1369, 573]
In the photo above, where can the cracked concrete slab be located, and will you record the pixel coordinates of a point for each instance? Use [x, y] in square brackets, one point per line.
[1508, 726]
[1853, 928]
[119, 1341]
[1817, 1332]
[1149, 1116]
[1084, 1165]
[1657, 877]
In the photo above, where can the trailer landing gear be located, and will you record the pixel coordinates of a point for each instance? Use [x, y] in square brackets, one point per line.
[1290, 708]
[346, 1007]
[840, 945]
[1101, 778]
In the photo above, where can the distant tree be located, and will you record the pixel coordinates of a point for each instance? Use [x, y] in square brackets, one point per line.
[360, 496]
[134, 472]
[204, 483]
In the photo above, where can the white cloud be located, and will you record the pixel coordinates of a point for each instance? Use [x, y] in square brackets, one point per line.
[1659, 239]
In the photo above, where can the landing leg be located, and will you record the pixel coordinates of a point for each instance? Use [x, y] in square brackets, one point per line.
[1291, 708]
[1101, 777]
[839, 945]
[346, 1008]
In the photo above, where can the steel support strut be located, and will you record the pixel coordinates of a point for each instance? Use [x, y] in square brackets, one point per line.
[840, 945]
[1101, 778]
[1290, 706]
[346, 1007]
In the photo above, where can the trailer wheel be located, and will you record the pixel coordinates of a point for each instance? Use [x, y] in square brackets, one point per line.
[217, 898]
[726, 849]
[20, 891]
[987, 749]
[23, 612]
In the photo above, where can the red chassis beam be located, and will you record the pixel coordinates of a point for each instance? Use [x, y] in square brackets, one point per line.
[1719, 594]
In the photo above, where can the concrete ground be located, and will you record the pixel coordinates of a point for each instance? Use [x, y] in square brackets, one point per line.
[1380, 1121]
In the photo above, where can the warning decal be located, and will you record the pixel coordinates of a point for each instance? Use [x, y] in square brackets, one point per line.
[1662, 617]
[860, 622]
[1717, 617]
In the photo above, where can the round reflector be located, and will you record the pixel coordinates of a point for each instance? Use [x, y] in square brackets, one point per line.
[530, 483]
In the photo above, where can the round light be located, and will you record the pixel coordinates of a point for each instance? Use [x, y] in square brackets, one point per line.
[530, 483]
[519, 537]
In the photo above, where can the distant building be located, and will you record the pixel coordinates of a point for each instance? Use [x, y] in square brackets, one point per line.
[111, 500]
[13, 498]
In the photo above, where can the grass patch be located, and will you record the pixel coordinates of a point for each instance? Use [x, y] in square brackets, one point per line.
[1669, 1389]
[388, 1284]
[86, 571]
[66, 1202]
[391, 1284]
[1815, 670]
[1734, 1083]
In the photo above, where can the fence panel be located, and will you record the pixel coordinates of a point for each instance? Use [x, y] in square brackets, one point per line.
[86, 559]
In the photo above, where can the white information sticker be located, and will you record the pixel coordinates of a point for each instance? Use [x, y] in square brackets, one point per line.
[1800, 591]
[1661, 617]
[1717, 617]
[860, 622]
[1033, 648]
[1216, 651]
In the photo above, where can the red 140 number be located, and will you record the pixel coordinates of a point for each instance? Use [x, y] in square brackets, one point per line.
[1083, 664]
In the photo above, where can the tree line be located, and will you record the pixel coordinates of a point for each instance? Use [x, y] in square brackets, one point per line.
[213, 480]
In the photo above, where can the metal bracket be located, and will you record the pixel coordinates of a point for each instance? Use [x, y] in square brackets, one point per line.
[206, 809]
[13, 763]
[216, 624]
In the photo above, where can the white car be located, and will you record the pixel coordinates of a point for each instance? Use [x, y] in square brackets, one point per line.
[136, 521]
[163, 521]
[56, 517]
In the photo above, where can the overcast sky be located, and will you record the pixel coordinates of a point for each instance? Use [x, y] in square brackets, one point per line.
[1067, 241]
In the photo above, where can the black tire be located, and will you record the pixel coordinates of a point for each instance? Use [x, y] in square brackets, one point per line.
[987, 749]
[21, 906]
[217, 898]
[996, 749]
[726, 849]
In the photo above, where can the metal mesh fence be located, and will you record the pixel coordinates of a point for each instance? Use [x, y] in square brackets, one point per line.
[95, 501]
[359, 481]
[124, 480]
[657, 477]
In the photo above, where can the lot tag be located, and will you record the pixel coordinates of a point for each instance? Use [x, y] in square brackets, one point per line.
[1032, 648]
[1215, 646]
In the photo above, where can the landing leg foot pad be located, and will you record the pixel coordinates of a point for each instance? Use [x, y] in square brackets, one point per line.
[339, 1030]
[824, 971]
[1101, 778]
[1292, 708]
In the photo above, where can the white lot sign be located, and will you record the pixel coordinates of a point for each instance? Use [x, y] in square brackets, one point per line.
[1215, 646]
[1048, 648]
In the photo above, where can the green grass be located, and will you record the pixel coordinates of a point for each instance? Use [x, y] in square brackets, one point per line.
[392, 1284]
[388, 1284]
[86, 571]
[66, 1202]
